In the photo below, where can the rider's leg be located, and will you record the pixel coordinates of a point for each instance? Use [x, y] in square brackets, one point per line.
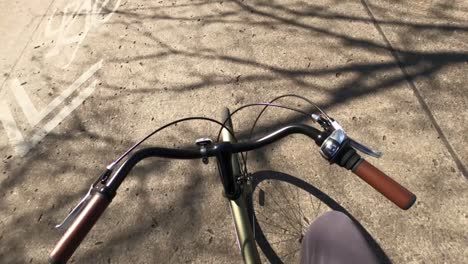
[334, 238]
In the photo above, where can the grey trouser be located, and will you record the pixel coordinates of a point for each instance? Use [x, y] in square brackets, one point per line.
[333, 238]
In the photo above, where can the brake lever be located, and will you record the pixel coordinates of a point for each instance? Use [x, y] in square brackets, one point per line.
[364, 149]
[65, 224]
[84, 201]
[338, 132]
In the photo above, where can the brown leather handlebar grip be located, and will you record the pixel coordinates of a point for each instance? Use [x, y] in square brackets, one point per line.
[391, 189]
[79, 229]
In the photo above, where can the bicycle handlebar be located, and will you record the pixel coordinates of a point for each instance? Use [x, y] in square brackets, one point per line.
[103, 196]
[391, 189]
[79, 229]
[101, 199]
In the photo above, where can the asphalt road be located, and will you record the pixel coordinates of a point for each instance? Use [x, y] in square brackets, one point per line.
[82, 80]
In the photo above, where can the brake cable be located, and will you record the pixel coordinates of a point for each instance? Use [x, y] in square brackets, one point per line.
[111, 166]
[266, 105]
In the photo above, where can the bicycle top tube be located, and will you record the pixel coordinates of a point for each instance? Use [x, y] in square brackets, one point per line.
[113, 183]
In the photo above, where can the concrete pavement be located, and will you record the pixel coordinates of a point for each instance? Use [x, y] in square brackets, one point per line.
[82, 81]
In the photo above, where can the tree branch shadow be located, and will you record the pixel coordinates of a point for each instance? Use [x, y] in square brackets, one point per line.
[349, 80]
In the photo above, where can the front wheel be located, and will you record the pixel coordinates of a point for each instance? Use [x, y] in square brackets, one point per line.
[283, 207]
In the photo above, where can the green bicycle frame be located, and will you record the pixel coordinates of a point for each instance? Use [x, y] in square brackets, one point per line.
[245, 236]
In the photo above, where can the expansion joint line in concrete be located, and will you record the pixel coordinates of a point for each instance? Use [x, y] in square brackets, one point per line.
[416, 92]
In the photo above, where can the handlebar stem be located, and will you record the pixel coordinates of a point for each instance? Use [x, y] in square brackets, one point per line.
[229, 180]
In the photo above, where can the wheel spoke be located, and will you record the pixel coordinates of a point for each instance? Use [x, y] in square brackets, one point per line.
[283, 218]
[281, 241]
[279, 227]
[289, 254]
[283, 213]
